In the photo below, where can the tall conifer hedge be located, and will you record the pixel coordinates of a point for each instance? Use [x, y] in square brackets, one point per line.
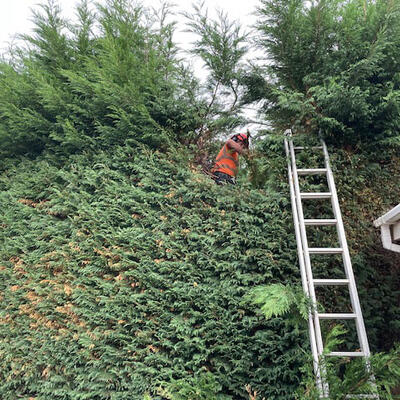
[123, 269]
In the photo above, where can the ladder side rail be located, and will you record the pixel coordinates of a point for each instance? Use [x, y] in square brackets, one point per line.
[355, 302]
[303, 272]
[296, 224]
[306, 253]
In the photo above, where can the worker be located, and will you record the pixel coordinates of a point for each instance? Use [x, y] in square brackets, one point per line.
[227, 162]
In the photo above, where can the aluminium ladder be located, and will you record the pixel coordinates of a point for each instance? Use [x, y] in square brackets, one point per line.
[308, 281]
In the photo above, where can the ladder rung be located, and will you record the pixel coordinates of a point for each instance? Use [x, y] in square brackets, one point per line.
[307, 147]
[346, 354]
[324, 195]
[337, 316]
[312, 171]
[333, 282]
[320, 221]
[325, 250]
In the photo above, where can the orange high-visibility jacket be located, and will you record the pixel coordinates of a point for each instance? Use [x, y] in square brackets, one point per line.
[227, 161]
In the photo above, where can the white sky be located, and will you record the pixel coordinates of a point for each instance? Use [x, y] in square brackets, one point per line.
[15, 14]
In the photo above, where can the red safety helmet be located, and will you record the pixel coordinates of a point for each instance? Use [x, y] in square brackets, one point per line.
[242, 137]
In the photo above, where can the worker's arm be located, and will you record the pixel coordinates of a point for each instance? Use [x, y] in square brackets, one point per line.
[236, 146]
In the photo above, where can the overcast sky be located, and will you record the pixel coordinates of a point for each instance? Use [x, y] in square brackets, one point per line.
[15, 14]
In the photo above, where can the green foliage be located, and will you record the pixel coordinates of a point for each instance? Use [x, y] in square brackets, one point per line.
[367, 186]
[124, 271]
[74, 90]
[351, 377]
[278, 299]
[221, 45]
[333, 65]
[203, 387]
[344, 376]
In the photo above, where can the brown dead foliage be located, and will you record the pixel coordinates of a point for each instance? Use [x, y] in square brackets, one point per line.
[67, 310]
[252, 394]
[33, 203]
[39, 319]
